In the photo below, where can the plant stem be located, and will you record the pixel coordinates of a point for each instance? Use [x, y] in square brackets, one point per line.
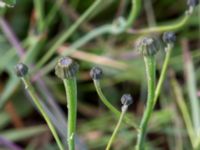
[183, 108]
[108, 28]
[170, 27]
[64, 36]
[116, 130]
[91, 35]
[39, 13]
[191, 88]
[136, 5]
[71, 93]
[52, 13]
[163, 73]
[150, 65]
[110, 106]
[35, 99]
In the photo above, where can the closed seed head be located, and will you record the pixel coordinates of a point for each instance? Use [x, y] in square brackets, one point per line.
[96, 73]
[148, 46]
[21, 69]
[126, 99]
[169, 37]
[66, 68]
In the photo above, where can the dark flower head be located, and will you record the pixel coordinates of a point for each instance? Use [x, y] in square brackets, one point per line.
[66, 68]
[192, 3]
[21, 69]
[96, 73]
[169, 37]
[148, 46]
[126, 99]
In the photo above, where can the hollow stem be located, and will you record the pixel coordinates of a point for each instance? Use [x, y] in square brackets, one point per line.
[71, 93]
[110, 106]
[150, 73]
[35, 99]
[116, 128]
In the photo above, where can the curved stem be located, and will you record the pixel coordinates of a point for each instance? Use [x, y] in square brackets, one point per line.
[136, 5]
[110, 106]
[116, 130]
[91, 35]
[150, 73]
[35, 99]
[71, 93]
[169, 27]
[64, 36]
[163, 73]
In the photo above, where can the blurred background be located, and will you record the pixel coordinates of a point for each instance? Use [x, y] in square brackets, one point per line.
[31, 30]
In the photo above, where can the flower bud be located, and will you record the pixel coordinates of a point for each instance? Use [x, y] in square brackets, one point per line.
[192, 3]
[66, 68]
[148, 46]
[96, 73]
[169, 37]
[126, 99]
[21, 69]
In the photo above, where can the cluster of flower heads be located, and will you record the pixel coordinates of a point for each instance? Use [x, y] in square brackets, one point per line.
[150, 45]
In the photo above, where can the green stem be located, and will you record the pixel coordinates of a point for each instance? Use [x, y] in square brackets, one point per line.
[183, 108]
[109, 27]
[71, 93]
[150, 65]
[192, 91]
[52, 13]
[170, 27]
[116, 130]
[64, 36]
[40, 14]
[91, 35]
[35, 99]
[110, 106]
[136, 5]
[163, 73]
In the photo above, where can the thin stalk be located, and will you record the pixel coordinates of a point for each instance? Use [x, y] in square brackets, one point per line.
[71, 93]
[110, 106]
[183, 108]
[35, 99]
[64, 36]
[169, 27]
[116, 130]
[136, 5]
[52, 13]
[163, 73]
[192, 89]
[150, 64]
[109, 27]
[91, 35]
[39, 12]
